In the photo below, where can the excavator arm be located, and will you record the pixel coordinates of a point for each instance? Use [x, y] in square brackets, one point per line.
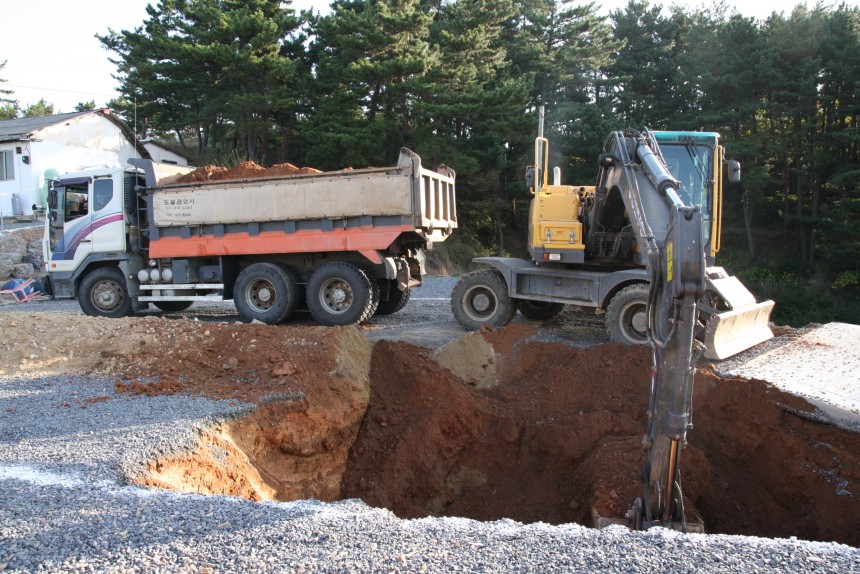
[675, 262]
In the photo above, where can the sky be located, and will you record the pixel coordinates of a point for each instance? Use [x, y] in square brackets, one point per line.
[51, 51]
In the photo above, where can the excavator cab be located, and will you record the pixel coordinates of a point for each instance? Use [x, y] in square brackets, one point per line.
[734, 320]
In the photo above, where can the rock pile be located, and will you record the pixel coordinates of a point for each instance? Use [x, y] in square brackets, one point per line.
[20, 253]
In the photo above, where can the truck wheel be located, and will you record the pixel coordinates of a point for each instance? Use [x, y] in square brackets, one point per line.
[340, 294]
[173, 306]
[481, 298]
[265, 292]
[396, 301]
[298, 291]
[538, 310]
[375, 294]
[103, 293]
[627, 317]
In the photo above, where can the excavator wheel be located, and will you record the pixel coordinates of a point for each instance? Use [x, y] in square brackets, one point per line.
[627, 317]
[481, 298]
[538, 310]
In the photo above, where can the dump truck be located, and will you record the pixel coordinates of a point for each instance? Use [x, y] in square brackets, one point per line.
[585, 250]
[344, 244]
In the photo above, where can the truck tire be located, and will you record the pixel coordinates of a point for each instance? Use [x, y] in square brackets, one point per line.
[539, 310]
[340, 294]
[626, 315]
[481, 298]
[375, 294]
[396, 301]
[173, 306]
[264, 292]
[298, 291]
[103, 293]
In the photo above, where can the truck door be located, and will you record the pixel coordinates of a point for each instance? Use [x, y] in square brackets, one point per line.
[85, 217]
[69, 213]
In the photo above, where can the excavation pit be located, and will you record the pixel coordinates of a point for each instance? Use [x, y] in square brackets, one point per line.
[497, 425]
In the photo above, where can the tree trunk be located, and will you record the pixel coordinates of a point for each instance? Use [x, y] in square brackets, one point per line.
[748, 225]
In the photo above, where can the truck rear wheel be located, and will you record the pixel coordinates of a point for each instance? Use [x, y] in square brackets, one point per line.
[396, 300]
[298, 292]
[173, 306]
[627, 316]
[481, 298]
[340, 294]
[538, 310]
[265, 292]
[103, 293]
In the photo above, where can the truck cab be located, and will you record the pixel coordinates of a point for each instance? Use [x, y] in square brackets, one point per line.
[87, 226]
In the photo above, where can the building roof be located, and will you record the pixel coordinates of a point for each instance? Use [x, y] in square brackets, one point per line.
[22, 129]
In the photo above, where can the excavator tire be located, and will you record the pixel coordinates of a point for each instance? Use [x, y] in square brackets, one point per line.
[626, 315]
[538, 310]
[481, 298]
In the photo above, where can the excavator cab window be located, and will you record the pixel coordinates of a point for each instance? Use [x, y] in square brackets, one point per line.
[692, 165]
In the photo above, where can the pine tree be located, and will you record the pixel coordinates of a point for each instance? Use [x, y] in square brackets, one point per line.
[211, 68]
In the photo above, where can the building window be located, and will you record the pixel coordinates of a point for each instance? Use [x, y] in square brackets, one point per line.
[7, 169]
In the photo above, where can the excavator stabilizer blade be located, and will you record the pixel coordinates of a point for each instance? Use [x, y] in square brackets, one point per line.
[743, 325]
[731, 332]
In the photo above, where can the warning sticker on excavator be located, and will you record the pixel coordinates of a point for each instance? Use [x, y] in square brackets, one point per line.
[669, 259]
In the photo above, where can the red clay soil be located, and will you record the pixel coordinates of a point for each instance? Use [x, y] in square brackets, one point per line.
[560, 434]
[309, 385]
[556, 435]
[245, 170]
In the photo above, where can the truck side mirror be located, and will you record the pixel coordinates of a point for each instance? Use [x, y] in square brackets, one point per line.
[734, 171]
[53, 207]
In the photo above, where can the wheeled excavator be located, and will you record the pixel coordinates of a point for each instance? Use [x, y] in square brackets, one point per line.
[638, 245]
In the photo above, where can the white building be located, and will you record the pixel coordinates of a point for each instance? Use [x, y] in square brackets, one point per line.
[33, 150]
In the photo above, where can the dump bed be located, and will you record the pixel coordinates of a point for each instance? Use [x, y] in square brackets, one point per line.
[363, 209]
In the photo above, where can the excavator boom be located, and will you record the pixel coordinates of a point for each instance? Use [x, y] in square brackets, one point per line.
[675, 264]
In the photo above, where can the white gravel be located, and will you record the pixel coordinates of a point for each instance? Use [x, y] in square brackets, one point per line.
[820, 363]
[66, 507]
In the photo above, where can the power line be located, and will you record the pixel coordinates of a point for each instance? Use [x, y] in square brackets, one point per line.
[58, 90]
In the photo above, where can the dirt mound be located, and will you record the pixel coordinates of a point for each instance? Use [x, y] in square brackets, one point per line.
[245, 170]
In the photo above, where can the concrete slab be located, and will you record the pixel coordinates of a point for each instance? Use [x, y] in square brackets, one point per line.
[820, 363]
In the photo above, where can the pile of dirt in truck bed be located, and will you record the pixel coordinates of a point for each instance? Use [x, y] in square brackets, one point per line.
[245, 170]
[495, 425]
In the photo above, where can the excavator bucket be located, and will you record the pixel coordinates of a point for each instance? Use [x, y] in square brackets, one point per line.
[743, 325]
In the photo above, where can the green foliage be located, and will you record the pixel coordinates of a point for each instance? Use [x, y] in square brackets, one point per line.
[85, 106]
[40, 108]
[460, 83]
[8, 106]
[217, 71]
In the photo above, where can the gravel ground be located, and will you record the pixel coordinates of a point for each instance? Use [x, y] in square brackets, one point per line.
[66, 442]
[820, 363]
